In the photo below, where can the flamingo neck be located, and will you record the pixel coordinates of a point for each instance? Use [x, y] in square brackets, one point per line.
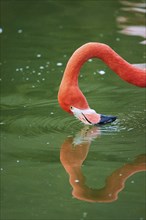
[126, 71]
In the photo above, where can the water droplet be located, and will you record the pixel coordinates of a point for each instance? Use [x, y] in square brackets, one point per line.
[117, 39]
[20, 31]
[59, 64]
[41, 67]
[84, 214]
[101, 72]
[39, 74]
[39, 55]
[52, 113]
[101, 34]
[1, 30]
[2, 123]
[18, 161]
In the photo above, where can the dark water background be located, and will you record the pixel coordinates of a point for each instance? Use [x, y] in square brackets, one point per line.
[37, 39]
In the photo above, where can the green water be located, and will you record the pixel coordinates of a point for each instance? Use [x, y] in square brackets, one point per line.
[37, 39]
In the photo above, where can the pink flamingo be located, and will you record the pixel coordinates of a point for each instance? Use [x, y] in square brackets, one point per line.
[70, 97]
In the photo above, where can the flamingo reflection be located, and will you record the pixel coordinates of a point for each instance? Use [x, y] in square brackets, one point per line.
[72, 155]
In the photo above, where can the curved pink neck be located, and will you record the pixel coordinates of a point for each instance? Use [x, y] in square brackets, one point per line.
[126, 71]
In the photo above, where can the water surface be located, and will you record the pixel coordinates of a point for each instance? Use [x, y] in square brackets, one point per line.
[40, 143]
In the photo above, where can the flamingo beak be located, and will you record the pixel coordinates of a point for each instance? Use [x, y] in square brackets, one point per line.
[90, 117]
[104, 119]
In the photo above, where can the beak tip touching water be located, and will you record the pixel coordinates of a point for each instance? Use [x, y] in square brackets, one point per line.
[104, 119]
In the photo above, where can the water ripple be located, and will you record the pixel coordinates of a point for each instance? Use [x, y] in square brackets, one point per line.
[33, 124]
[47, 117]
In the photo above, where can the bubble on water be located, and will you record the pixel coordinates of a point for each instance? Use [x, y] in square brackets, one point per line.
[20, 31]
[27, 78]
[27, 67]
[43, 79]
[77, 181]
[39, 74]
[120, 174]
[41, 67]
[38, 55]
[101, 72]
[18, 161]
[117, 39]
[84, 214]
[101, 35]
[90, 60]
[33, 86]
[1, 30]
[52, 113]
[132, 181]
[48, 143]
[59, 64]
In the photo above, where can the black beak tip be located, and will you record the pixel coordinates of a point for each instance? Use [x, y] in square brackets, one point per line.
[106, 119]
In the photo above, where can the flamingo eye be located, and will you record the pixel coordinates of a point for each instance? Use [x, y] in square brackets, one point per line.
[71, 107]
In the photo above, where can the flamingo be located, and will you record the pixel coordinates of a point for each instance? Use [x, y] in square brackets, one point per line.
[70, 97]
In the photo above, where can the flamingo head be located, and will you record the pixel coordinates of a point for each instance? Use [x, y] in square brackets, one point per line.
[90, 117]
[73, 101]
